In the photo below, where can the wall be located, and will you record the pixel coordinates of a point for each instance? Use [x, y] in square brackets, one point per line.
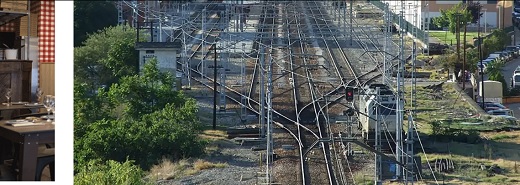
[33, 18]
[47, 78]
[167, 59]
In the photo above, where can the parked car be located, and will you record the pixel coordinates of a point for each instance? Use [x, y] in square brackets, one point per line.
[498, 112]
[496, 55]
[483, 66]
[514, 49]
[493, 105]
[505, 113]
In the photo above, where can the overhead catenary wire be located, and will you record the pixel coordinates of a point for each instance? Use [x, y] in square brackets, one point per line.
[191, 26]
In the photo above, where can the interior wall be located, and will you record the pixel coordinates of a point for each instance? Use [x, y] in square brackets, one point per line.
[47, 78]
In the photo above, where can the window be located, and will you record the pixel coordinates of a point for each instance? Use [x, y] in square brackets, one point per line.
[150, 51]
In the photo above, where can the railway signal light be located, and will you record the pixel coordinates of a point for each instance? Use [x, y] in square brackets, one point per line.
[349, 94]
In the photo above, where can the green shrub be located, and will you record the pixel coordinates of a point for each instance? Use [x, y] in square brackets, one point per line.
[111, 172]
[143, 118]
[146, 140]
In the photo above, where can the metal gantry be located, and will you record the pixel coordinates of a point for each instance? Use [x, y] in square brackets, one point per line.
[119, 6]
[387, 48]
[184, 55]
[413, 105]
[400, 89]
[378, 167]
[426, 27]
[243, 108]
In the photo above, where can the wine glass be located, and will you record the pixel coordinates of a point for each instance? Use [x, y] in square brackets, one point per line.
[47, 102]
[8, 94]
[53, 105]
[39, 94]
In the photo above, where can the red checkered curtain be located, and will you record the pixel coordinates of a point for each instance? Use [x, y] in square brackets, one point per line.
[46, 32]
[9, 27]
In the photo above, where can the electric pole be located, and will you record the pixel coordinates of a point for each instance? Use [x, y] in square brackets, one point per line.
[378, 168]
[400, 97]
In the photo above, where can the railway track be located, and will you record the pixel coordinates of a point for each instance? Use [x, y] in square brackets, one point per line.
[303, 117]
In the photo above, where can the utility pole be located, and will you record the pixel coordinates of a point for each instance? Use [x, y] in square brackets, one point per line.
[135, 13]
[387, 62]
[410, 161]
[410, 139]
[243, 84]
[457, 36]
[378, 168]
[350, 16]
[203, 45]
[464, 61]
[215, 88]
[480, 59]
[464, 55]
[269, 119]
[427, 27]
[119, 6]
[400, 97]
[186, 62]
[261, 95]
[223, 63]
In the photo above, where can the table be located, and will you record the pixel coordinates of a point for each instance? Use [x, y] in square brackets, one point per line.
[6, 111]
[29, 138]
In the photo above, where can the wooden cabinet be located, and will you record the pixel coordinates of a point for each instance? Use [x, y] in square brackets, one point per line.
[15, 74]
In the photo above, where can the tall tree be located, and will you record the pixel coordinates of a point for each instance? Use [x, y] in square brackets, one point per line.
[91, 16]
[455, 18]
[106, 56]
[498, 40]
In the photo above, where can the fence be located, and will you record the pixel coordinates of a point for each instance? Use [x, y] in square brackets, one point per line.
[407, 25]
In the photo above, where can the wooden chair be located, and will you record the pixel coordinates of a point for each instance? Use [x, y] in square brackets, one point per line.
[45, 158]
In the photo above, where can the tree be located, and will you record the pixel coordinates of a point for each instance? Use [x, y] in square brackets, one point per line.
[456, 18]
[472, 59]
[143, 118]
[107, 56]
[91, 16]
[450, 17]
[498, 40]
[475, 9]
[442, 21]
[494, 71]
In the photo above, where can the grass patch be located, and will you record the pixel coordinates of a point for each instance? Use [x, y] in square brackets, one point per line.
[214, 135]
[202, 165]
[450, 108]
[447, 37]
[364, 179]
[167, 169]
[503, 137]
